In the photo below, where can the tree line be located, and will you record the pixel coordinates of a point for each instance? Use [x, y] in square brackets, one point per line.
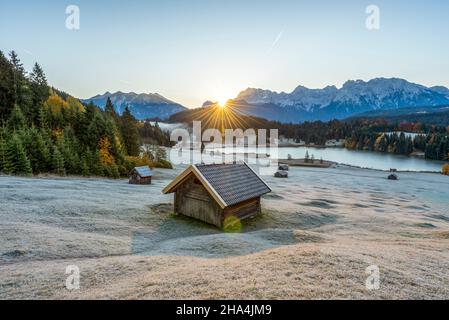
[44, 130]
[379, 135]
[361, 134]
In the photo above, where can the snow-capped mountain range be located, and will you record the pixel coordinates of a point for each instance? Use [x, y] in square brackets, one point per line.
[332, 103]
[142, 106]
[302, 104]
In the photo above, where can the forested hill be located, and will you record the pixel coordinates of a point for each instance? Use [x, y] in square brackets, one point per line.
[45, 130]
[438, 116]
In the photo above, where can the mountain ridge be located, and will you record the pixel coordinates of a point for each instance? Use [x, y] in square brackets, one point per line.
[330, 102]
[142, 105]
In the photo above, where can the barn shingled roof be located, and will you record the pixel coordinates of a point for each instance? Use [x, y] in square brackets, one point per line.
[144, 171]
[234, 182]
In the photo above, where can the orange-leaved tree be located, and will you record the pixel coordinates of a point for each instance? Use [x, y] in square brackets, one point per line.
[445, 169]
[104, 146]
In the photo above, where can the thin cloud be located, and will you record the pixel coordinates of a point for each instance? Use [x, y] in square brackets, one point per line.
[28, 52]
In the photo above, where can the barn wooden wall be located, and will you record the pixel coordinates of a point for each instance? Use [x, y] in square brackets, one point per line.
[193, 200]
[245, 209]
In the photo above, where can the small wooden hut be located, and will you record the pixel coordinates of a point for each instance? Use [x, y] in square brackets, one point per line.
[140, 175]
[281, 174]
[218, 193]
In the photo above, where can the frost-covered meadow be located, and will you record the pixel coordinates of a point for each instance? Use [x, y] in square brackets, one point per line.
[319, 231]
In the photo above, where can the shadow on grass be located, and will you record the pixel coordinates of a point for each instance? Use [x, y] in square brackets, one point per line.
[178, 235]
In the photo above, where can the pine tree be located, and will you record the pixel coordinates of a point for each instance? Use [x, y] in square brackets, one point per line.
[7, 96]
[18, 74]
[96, 167]
[22, 91]
[40, 91]
[84, 167]
[39, 152]
[110, 110]
[58, 162]
[17, 120]
[130, 133]
[95, 131]
[17, 161]
[2, 152]
[43, 117]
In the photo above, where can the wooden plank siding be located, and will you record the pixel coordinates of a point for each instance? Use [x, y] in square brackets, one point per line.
[193, 200]
[243, 210]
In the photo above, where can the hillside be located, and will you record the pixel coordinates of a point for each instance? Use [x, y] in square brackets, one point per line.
[213, 116]
[438, 116]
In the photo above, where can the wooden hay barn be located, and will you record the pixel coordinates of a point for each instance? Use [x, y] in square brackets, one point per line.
[218, 193]
[140, 175]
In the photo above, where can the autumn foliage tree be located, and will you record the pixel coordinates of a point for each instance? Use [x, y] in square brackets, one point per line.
[445, 169]
[106, 158]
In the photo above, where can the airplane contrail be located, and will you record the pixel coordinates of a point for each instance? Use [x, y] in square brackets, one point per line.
[279, 36]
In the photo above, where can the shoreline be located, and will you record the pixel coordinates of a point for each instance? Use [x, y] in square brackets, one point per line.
[381, 170]
[281, 161]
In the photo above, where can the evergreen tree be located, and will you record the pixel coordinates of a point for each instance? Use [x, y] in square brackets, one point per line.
[22, 92]
[43, 117]
[68, 146]
[40, 91]
[85, 171]
[110, 110]
[2, 151]
[130, 133]
[39, 152]
[17, 161]
[58, 162]
[18, 74]
[17, 120]
[7, 95]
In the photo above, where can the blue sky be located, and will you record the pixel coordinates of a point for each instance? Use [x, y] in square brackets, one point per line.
[191, 51]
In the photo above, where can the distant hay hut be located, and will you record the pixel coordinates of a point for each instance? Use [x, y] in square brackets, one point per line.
[281, 174]
[140, 175]
[393, 177]
[218, 194]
